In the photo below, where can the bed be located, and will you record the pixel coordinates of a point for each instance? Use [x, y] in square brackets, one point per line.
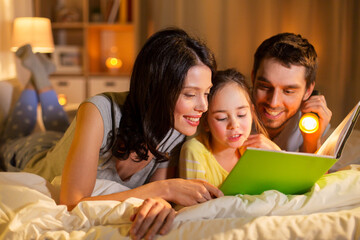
[331, 210]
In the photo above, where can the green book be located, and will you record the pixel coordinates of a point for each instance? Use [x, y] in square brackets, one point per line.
[259, 170]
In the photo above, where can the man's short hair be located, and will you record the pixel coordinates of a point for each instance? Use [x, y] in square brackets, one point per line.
[289, 49]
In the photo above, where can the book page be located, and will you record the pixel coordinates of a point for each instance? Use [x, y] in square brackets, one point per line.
[335, 142]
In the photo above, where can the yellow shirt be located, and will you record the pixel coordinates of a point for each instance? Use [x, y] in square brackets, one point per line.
[197, 162]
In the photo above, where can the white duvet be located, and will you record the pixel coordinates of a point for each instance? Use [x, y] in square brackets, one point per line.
[331, 210]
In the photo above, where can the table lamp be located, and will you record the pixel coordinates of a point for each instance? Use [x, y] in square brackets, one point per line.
[113, 62]
[35, 31]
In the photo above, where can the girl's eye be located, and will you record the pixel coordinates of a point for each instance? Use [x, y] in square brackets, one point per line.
[242, 115]
[220, 117]
[189, 95]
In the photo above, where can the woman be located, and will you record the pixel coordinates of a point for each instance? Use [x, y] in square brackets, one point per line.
[130, 141]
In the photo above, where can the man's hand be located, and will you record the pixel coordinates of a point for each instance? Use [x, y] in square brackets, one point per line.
[316, 104]
[260, 141]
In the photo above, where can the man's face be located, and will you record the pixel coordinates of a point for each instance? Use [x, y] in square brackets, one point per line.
[278, 93]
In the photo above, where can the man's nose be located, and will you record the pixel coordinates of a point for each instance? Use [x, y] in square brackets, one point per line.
[275, 98]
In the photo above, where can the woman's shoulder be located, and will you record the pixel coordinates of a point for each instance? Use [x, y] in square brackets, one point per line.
[109, 102]
[116, 97]
[107, 98]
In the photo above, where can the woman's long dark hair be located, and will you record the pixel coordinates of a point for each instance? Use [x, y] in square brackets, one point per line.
[156, 82]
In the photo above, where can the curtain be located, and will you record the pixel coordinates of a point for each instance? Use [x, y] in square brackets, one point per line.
[24, 8]
[233, 29]
[7, 64]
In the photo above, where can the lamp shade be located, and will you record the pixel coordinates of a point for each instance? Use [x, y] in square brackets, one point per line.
[34, 31]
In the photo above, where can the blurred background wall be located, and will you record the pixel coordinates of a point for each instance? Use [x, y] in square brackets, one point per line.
[233, 29]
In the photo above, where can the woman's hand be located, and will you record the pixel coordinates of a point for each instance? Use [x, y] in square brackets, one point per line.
[154, 216]
[190, 192]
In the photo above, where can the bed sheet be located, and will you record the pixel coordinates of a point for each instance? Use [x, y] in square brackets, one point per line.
[331, 210]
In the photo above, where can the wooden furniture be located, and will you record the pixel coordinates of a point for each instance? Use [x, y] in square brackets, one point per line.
[86, 33]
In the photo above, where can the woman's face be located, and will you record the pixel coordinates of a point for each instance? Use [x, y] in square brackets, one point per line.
[192, 101]
[229, 118]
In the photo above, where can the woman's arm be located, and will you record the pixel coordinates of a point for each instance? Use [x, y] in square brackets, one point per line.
[79, 173]
[79, 176]
[80, 170]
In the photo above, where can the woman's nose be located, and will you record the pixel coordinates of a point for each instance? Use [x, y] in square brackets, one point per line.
[202, 104]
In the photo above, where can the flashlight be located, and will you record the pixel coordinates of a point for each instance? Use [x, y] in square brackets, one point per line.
[309, 123]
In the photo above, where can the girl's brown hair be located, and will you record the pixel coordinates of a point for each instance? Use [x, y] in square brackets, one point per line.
[225, 77]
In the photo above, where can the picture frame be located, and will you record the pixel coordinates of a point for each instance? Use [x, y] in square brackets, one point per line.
[67, 59]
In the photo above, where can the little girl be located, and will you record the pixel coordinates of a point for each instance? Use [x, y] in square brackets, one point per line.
[212, 154]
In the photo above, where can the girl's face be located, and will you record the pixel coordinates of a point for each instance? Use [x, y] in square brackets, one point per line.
[192, 101]
[229, 118]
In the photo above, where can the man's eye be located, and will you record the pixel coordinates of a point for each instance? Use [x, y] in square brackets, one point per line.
[263, 87]
[289, 91]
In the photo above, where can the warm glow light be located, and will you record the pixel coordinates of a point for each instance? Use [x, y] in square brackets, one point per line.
[62, 99]
[113, 63]
[309, 123]
[34, 31]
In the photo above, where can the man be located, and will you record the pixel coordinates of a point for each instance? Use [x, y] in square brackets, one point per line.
[283, 79]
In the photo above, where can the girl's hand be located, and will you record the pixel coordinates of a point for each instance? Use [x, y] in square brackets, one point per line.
[154, 216]
[190, 192]
[260, 141]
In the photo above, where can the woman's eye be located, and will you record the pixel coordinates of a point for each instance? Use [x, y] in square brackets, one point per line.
[189, 95]
[242, 115]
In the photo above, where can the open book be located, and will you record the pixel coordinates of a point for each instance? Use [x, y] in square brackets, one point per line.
[335, 143]
[259, 170]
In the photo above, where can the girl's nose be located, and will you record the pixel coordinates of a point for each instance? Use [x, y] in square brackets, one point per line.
[234, 123]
